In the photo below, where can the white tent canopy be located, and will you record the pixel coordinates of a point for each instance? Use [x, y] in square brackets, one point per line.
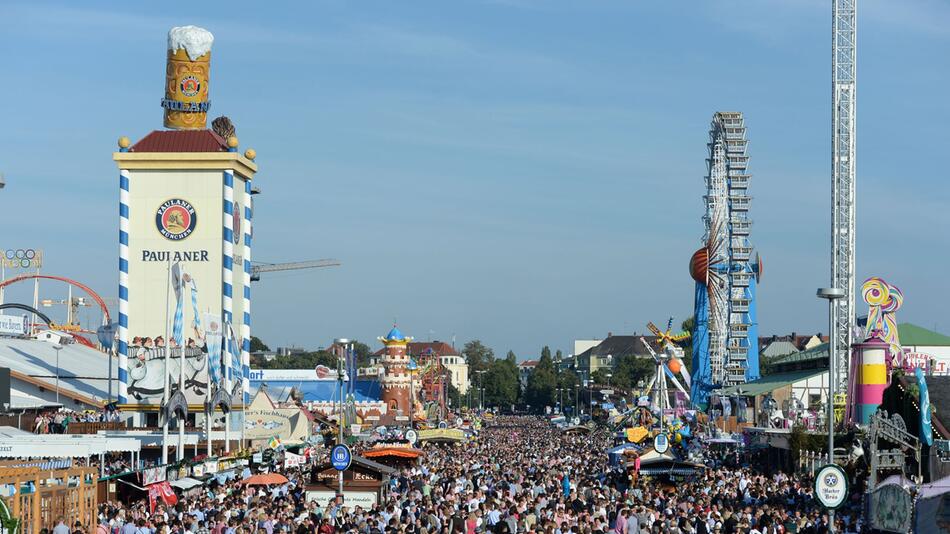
[64, 446]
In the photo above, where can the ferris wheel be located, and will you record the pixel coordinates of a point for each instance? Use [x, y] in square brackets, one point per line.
[725, 342]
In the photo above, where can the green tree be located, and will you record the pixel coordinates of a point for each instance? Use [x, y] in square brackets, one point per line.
[546, 351]
[512, 358]
[542, 383]
[304, 360]
[501, 384]
[599, 376]
[477, 356]
[257, 345]
[689, 325]
[363, 353]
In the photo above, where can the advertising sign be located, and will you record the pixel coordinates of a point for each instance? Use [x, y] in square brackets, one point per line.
[266, 424]
[22, 258]
[364, 499]
[831, 486]
[661, 443]
[412, 437]
[153, 475]
[318, 374]
[13, 325]
[891, 508]
[341, 457]
[454, 434]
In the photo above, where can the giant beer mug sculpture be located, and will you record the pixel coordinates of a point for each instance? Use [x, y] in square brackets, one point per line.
[187, 76]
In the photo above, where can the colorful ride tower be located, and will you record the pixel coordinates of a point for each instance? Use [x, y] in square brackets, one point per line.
[725, 338]
[396, 380]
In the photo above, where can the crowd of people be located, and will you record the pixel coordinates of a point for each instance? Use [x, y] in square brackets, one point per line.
[57, 422]
[519, 475]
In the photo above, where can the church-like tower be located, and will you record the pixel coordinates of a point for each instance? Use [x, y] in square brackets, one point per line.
[395, 380]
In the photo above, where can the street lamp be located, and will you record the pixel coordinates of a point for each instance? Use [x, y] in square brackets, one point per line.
[608, 378]
[58, 348]
[831, 294]
[3, 182]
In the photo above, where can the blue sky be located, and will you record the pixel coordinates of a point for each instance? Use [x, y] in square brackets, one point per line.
[518, 171]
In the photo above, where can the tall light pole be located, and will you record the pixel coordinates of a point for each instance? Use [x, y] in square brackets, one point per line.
[58, 348]
[831, 294]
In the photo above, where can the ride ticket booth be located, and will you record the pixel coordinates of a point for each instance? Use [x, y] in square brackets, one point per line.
[364, 483]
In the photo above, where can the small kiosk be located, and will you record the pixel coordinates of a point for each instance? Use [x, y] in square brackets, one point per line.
[364, 483]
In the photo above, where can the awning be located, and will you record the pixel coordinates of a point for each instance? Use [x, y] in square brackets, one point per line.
[768, 383]
[64, 446]
[186, 483]
[669, 471]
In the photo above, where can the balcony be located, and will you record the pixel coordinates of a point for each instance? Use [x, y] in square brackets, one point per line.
[741, 279]
[740, 308]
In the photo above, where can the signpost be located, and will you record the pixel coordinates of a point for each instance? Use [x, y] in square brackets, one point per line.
[341, 457]
[831, 486]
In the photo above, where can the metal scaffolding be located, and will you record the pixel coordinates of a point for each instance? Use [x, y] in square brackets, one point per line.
[844, 28]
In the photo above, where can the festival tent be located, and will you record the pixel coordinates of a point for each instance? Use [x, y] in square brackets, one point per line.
[63, 445]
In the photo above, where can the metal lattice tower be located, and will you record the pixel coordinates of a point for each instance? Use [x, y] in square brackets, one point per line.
[844, 30]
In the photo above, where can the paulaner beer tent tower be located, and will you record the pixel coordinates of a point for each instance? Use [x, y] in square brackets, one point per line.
[725, 340]
[184, 214]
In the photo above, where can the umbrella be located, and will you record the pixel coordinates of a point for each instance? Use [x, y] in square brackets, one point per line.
[265, 479]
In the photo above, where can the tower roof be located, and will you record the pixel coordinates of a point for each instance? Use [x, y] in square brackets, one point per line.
[395, 336]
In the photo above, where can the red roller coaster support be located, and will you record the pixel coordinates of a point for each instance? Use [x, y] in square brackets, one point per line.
[106, 318]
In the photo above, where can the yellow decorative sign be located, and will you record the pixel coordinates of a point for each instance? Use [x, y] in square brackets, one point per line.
[442, 433]
[637, 434]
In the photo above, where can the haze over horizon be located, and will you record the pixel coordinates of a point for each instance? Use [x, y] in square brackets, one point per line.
[521, 172]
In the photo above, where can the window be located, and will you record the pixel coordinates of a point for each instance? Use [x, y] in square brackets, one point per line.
[814, 399]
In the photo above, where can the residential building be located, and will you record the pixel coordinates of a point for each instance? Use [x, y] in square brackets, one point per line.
[525, 369]
[605, 354]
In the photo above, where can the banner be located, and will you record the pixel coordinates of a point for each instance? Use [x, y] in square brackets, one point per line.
[213, 335]
[926, 432]
[293, 460]
[161, 491]
[153, 475]
[14, 325]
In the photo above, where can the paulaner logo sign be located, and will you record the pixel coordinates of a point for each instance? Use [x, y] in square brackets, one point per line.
[176, 219]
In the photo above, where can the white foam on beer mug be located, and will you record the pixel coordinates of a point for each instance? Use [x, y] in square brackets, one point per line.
[196, 41]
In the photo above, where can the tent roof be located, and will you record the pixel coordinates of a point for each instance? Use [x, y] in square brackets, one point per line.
[911, 334]
[770, 383]
[83, 371]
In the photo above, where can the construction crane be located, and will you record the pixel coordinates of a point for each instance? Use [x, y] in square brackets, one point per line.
[844, 43]
[261, 267]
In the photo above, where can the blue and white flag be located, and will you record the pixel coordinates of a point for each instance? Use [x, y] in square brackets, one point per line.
[178, 283]
[235, 368]
[213, 336]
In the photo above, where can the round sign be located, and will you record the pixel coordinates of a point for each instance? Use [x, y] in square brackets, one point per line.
[341, 457]
[831, 486]
[412, 436]
[176, 219]
[661, 443]
[443, 425]
[458, 421]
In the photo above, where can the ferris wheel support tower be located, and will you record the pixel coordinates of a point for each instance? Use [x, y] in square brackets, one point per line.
[844, 31]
